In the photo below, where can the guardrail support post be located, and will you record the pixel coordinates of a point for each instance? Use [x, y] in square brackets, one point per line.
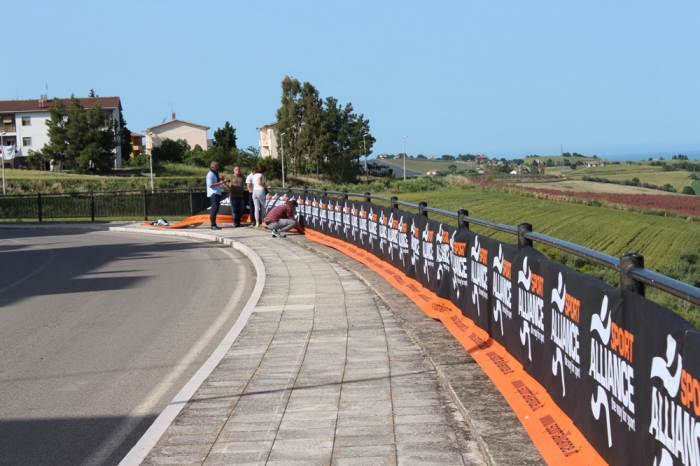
[306, 190]
[461, 223]
[522, 241]
[345, 194]
[324, 192]
[145, 205]
[38, 200]
[368, 197]
[191, 201]
[627, 262]
[92, 206]
[394, 205]
[421, 209]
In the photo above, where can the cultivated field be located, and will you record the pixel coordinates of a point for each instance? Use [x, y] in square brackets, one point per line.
[574, 186]
[624, 171]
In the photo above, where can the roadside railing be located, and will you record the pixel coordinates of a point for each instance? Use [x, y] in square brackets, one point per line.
[633, 276]
[94, 205]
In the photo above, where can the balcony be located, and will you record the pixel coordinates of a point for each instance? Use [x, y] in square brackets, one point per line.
[8, 129]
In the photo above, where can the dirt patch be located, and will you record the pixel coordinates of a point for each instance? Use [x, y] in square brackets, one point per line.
[593, 187]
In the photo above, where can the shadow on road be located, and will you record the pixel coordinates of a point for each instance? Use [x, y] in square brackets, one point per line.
[68, 265]
[66, 441]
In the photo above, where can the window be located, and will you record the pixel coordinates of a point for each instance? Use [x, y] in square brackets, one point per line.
[27, 142]
[26, 121]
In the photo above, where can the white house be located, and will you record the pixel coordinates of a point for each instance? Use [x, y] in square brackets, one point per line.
[595, 164]
[176, 129]
[23, 122]
[268, 140]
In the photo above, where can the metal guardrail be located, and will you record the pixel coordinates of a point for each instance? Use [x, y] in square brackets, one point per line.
[633, 276]
[105, 204]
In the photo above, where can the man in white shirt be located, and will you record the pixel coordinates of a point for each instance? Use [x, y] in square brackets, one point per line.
[214, 184]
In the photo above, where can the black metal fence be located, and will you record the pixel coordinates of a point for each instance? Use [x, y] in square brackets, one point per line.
[633, 276]
[103, 205]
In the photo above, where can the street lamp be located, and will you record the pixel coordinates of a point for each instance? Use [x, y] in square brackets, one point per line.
[2, 158]
[259, 140]
[150, 159]
[404, 158]
[282, 145]
[364, 143]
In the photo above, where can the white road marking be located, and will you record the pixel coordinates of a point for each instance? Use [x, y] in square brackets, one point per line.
[147, 404]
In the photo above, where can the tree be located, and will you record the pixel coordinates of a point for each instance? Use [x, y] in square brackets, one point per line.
[85, 137]
[124, 138]
[299, 124]
[57, 147]
[320, 135]
[90, 137]
[225, 137]
[170, 151]
[421, 156]
[688, 190]
[248, 158]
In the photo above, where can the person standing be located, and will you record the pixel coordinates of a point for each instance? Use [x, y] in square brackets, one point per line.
[214, 184]
[259, 194]
[281, 219]
[236, 184]
[249, 195]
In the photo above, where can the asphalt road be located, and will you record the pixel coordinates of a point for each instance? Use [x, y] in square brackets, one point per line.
[99, 331]
[397, 167]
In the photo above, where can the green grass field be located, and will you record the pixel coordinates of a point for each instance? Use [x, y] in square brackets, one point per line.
[422, 166]
[659, 239]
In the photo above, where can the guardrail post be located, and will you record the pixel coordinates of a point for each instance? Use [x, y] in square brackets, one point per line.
[461, 223]
[324, 192]
[627, 262]
[522, 241]
[306, 190]
[421, 209]
[191, 201]
[345, 194]
[368, 197]
[92, 206]
[394, 204]
[38, 200]
[145, 205]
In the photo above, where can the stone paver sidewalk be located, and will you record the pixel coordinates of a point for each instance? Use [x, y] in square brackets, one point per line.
[323, 373]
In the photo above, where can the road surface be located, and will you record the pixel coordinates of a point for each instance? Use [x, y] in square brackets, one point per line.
[99, 331]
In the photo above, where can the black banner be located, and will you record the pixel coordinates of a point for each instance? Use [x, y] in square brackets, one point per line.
[625, 370]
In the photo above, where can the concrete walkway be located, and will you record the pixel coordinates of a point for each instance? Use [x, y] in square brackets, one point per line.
[335, 366]
[322, 374]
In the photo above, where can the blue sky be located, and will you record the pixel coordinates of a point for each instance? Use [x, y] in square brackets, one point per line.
[503, 78]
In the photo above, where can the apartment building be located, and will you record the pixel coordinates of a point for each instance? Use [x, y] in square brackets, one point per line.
[23, 122]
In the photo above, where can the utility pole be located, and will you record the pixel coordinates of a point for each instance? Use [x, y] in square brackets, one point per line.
[404, 158]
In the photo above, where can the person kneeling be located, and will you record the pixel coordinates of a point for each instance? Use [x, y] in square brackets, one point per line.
[281, 219]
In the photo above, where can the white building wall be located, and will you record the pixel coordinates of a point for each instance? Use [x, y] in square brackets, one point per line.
[268, 141]
[37, 131]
